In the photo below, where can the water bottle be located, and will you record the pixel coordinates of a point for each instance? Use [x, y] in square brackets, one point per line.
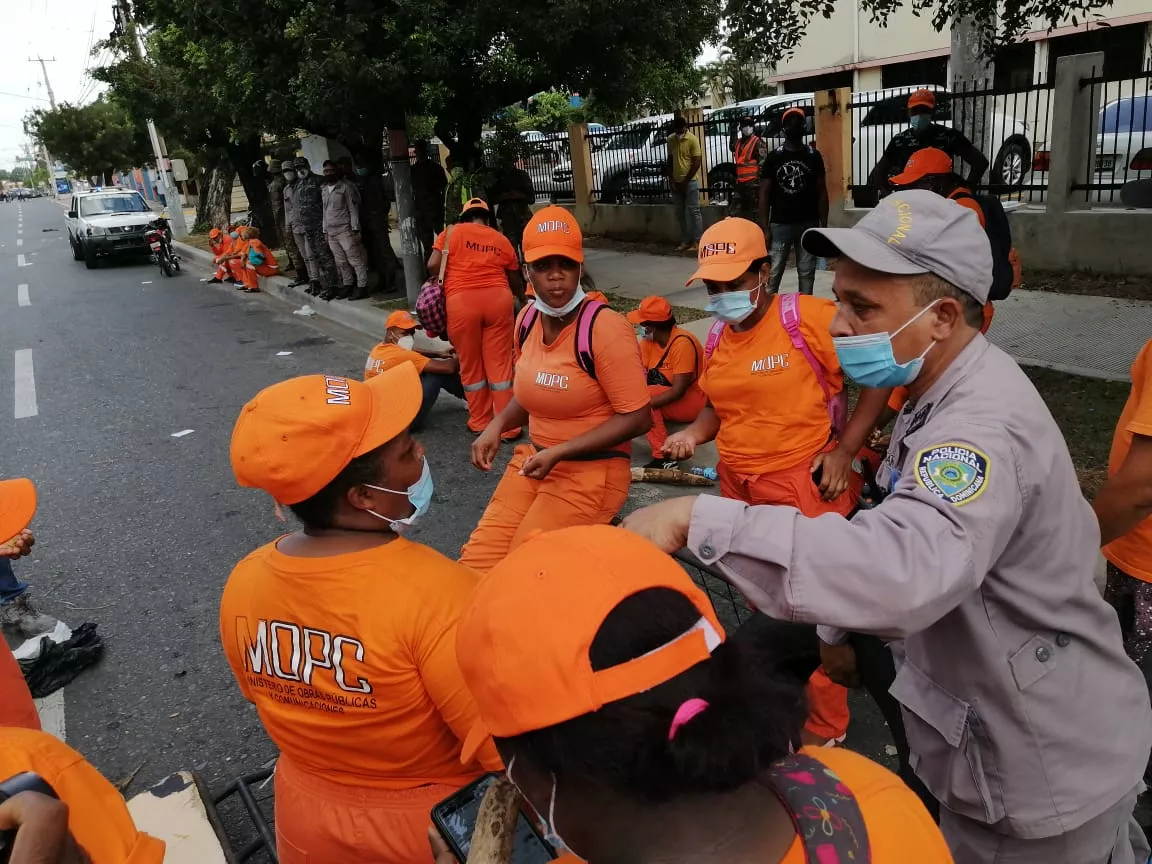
[706, 473]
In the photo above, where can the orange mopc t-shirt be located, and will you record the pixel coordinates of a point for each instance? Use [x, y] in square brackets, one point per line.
[351, 662]
[561, 399]
[1132, 552]
[772, 410]
[478, 257]
[683, 355]
[98, 818]
[386, 355]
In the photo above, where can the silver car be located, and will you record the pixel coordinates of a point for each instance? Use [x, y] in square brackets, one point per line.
[106, 223]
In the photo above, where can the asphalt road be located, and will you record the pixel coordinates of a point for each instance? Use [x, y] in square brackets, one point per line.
[137, 530]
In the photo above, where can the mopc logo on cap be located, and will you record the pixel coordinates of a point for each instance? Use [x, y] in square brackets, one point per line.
[710, 249]
[553, 225]
[728, 249]
[553, 231]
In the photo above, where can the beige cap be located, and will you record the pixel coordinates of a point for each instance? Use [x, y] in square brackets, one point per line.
[913, 232]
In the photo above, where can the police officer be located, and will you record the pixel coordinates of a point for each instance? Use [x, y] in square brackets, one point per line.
[1024, 716]
[308, 223]
[295, 228]
[278, 177]
[342, 231]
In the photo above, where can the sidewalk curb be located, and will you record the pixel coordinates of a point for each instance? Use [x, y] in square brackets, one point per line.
[358, 315]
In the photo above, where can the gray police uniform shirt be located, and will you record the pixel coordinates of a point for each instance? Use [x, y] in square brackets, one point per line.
[289, 206]
[1022, 709]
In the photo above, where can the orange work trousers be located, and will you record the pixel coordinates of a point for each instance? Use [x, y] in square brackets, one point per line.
[248, 275]
[683, 410]
[573, 493]
[319, 821]
[827, 701]
[16, 707]
[481, 326]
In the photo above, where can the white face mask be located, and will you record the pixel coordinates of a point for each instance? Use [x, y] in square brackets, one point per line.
[746, 131]
[406, 342]
[302, 173]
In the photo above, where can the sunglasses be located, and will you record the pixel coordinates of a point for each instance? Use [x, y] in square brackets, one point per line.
[544, 265]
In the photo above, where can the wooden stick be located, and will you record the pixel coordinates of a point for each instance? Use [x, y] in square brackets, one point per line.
[668, 475]
[495, 829]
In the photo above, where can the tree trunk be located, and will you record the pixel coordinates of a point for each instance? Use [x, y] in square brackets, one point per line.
[406, 214]
[243, 156]
[214, 208]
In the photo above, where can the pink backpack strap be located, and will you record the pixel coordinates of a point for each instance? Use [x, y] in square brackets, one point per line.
[790, 318]
[526, 321]
[714, 334]
[584, 321]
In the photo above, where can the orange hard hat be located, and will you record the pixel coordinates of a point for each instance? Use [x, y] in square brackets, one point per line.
[652, 308]
[401, 319]
[728, 249]
[294, 437]
[930, 160]
[552, 231]
[523, 642]
[922, 99]
[17, 507]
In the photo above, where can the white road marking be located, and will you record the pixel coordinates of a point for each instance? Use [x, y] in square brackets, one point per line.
[25, 385]
[22, 297]
[182, 433]
[19, 230]
[283, 353]
[20, 262]
[145, 283]
[19, 242]
[51, 710]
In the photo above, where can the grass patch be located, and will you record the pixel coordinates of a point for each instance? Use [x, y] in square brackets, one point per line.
[391, 305]
[1125, 287]
[624, 305]
[200, 241]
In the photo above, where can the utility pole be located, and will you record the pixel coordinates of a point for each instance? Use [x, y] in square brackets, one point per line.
[972, 71]
[49, 165]
[123, 12]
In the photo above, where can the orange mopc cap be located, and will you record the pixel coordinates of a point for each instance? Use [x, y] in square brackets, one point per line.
[930, 160]
[552, 231]
[728, 249]
[475, 204]
[791, 111]
[17, 507]
[523, 643]
[214, 233]
[294, 437]
[401, 319]
[651, 309]
[922, 99]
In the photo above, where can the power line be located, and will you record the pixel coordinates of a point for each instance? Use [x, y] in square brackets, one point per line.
[23, 96]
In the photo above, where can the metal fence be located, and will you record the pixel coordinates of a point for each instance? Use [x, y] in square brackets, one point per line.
[1011, 127]
[1120, 139]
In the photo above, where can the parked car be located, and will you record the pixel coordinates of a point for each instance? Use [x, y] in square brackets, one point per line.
[639, 144]
[106, 223]
[1009, 152]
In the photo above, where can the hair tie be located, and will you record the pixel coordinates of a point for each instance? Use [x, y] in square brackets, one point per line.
[687, 710]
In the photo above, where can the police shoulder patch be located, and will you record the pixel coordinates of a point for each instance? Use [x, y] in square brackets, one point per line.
[955, 472]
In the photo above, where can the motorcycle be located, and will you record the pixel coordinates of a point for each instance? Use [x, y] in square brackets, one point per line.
[159, 239]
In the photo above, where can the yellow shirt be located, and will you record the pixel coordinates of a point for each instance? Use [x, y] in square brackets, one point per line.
[681, 150]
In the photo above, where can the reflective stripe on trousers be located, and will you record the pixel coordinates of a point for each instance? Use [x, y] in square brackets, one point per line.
[501, 385]
[479, 385]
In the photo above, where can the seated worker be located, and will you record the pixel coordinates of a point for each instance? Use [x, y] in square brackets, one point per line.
[234, 259]
[583, 408]
[438, 370]
[342, 633]
[17, 507]
[258, 260]
[87, 823]
[640, 732]
[674, 359]
[221, 244]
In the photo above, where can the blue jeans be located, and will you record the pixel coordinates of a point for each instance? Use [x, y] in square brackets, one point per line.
[432, 383]
[10, 586]
[688, 215]
[786, 237]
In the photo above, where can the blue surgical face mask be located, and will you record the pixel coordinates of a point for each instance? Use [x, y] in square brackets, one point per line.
[920, 122]
[544, 309]
[550, 836]
[419, 495]
[868, 360]
[733, 307]
[643, 332]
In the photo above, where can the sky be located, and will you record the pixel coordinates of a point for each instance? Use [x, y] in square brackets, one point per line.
[64, 29]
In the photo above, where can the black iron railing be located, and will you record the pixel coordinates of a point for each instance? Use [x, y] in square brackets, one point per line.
[1120, 139]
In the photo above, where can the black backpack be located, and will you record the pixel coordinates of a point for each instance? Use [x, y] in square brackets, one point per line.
[999, 233]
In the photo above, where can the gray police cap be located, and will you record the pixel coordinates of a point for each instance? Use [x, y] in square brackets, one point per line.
[301, 162]
[914, 232]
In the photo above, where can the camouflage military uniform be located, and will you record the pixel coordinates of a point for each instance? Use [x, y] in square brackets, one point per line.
[308, 218]
[276, 184]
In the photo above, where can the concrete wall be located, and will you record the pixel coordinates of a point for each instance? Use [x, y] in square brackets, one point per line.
[653, 223]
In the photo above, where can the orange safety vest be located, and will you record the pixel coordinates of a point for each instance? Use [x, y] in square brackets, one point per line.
[747, 162]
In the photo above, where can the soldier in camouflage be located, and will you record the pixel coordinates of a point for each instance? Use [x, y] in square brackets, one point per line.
[278, 177]
[308, 219]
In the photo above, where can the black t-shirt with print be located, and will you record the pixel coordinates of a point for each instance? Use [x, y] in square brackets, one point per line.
[904, 144]
[797, 177]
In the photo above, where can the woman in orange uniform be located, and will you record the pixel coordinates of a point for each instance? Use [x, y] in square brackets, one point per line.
[674, 359]
[17, 507]
[580, 387]
[258, 260]
[342, 633]
[640, 731]
[480, 281]
[221, 244]
[773, 383]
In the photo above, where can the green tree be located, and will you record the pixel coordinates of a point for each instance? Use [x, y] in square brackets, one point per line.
[94, 140]
[733, 78]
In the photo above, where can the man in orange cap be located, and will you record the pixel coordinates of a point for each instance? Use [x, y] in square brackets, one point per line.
[342, 633]
[438, 370]
[932, 169]
[921, 133]
[17, 507]
[257, 261]
[640, 731]
[793, 198]
[220, 243]
[674, 359]
[20, 621]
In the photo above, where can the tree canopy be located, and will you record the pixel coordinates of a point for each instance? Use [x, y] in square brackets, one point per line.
[771, 29]
[94, 140]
